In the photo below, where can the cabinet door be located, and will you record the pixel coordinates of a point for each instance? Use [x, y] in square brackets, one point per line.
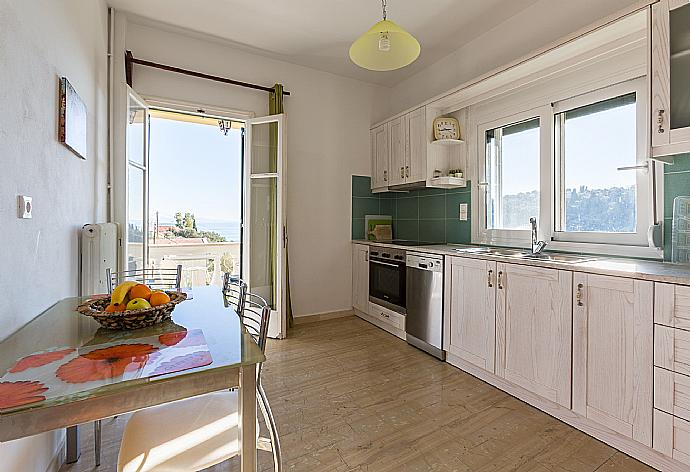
[613, 353]
[360, 277]
[397, 155]
[534, 329]
[470, 297]
[379, 156]
[670, 72]
[415, 165]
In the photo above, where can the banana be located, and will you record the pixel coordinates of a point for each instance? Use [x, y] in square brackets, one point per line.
[120, 293]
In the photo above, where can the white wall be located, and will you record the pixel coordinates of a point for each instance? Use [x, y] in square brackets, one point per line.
[540, 24]
[328, 120]
[41, 40]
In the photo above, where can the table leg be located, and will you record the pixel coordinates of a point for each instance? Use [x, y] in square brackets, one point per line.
[248, 418]
[73, 450]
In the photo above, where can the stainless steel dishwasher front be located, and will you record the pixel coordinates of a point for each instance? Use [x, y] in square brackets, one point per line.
[424, 319]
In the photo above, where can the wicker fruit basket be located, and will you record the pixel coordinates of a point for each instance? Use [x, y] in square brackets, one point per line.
[130, 319]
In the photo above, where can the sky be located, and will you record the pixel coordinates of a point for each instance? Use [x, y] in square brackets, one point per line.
[195, 168]
[596, 145]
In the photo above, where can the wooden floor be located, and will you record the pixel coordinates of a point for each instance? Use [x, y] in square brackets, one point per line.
[349, 397]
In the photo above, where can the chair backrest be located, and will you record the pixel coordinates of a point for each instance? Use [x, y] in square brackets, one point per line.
[234, 292]
[156, 279]
[255, 317]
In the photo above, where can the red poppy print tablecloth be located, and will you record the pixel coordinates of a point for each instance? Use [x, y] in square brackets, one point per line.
[68, 371]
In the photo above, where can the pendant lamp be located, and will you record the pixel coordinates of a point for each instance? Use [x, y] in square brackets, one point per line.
[386, 46]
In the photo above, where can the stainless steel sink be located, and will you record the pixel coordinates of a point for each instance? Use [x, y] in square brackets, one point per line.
[522, 254]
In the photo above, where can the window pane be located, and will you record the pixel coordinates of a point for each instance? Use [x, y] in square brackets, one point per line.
[135, 219]
[512, 173]
[597, 139]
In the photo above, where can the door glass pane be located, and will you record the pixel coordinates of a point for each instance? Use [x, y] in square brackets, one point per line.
[512, 174]
[135, 132]
[135, 221]
[597, 140]
[263, 238]
[264, 150]
[680, 67]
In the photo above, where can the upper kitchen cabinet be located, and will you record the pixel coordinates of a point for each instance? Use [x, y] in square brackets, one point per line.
[416, 159]
[670, 105]
[380, 155]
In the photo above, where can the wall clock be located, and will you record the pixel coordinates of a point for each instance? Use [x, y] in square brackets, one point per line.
[446, 128]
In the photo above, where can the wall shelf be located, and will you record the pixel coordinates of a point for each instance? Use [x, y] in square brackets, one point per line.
[447, 142]
[447, 182]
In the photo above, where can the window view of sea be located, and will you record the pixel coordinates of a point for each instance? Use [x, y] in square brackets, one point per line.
[230, 230]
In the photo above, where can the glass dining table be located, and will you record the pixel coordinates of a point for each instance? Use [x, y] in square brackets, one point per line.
[63, 369]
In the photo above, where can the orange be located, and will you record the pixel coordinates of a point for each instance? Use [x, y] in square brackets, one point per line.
[140, 291]
[114, 308]
[159, 298]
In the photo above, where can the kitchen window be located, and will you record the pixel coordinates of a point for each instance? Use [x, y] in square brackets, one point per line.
[512, 175]
[579, 165]
[601, 173]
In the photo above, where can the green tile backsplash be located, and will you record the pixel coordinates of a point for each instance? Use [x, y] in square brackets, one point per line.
[429, 214]
[676, 183]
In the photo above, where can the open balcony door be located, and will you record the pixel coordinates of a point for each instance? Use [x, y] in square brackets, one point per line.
[264, 234]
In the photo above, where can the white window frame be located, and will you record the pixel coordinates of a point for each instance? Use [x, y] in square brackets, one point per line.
[644, 184]
[513, 237]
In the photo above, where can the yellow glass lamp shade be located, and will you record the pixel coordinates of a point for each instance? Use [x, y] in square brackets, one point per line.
[386, 46]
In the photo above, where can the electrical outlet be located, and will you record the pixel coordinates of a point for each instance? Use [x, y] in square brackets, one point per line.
[24, 207]
[462, 212]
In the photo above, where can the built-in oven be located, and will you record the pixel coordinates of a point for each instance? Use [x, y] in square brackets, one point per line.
[387, 278]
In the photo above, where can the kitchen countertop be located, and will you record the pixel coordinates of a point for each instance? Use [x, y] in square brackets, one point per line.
[621, 267]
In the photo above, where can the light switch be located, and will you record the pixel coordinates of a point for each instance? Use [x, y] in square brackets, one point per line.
[24, 207]
[462, 212]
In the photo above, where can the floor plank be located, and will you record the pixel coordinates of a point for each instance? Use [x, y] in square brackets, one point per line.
[349, 397]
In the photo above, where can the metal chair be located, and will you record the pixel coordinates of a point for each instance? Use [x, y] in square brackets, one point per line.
[234, 292]
[141, 448]
[157, 279]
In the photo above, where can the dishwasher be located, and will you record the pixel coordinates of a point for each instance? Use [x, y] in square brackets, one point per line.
[424, 319]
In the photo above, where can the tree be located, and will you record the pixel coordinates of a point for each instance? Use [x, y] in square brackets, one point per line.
[178, 220]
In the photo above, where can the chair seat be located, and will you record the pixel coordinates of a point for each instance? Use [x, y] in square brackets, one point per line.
[182, 436]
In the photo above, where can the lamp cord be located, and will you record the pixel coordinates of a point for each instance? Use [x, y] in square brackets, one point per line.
[383, 5]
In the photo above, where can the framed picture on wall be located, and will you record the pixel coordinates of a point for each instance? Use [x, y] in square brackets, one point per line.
[72, 119]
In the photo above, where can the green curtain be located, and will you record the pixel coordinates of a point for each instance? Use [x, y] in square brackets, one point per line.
[275, 107]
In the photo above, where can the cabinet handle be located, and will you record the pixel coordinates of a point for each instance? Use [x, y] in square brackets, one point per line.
[490, 278]
[407, 171]
[660, 121]
[500, 280]
[366, 256]
[402, 172]
[385, 176]
[578, 295]
[385, 315]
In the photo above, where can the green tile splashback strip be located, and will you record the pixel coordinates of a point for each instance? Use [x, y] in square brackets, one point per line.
[429, 214]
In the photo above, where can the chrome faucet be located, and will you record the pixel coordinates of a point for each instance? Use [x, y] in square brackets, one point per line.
[537, 246]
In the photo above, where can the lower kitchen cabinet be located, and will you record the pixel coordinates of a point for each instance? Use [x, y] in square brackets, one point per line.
[534, 329]
[360, 277]
[470, 299]
[672, 436]
[613, 353]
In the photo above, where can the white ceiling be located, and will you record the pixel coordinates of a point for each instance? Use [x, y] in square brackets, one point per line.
[318, 33]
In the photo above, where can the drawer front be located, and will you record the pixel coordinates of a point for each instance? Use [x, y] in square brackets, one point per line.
[387, 316]
[672, 305]
[672, 349]
[672, 436]
[672, 393]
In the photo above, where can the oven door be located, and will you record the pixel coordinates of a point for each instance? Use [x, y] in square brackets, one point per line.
[387, 283]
